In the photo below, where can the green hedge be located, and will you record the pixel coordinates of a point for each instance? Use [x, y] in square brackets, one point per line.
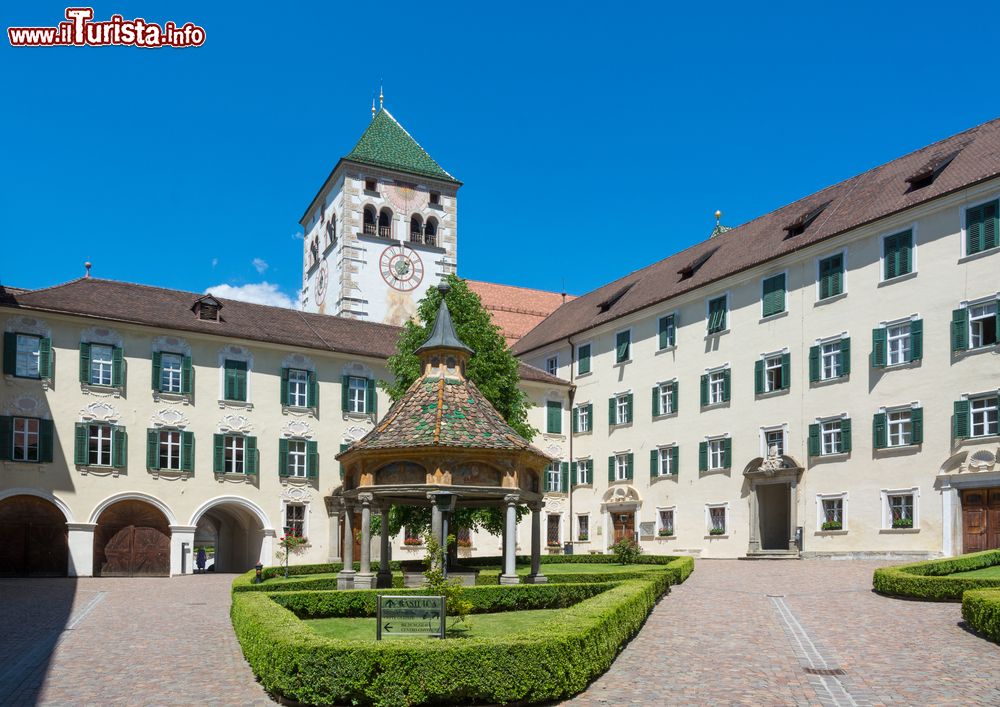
[927, 581]
[484, 600]
[555, 660]
[981, 610]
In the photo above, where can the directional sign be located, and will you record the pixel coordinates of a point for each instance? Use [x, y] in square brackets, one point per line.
[410, 616]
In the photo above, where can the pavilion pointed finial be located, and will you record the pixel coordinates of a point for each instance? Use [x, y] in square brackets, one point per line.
[381, 97]
[373, 107]
[443, 334]
[718, 217]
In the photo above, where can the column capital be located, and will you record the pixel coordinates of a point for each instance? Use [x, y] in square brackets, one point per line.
[536, 506]
[511, 499]
[366, 499]
[81, 527]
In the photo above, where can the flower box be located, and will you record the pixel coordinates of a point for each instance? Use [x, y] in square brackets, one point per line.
[462, 542]
[583, 538]
[902, 523]
[665, 532]
[413, 542]
[832, 525]
[717, 531]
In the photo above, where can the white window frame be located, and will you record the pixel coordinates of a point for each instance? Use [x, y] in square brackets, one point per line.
[32, 371]
[25, 436]
[708, 518]
[821, 514]
[905, 346]
[552, 365]
[590, 354]
[887, 513]
[104, 443]
[964, 252]
[100, 367]
[760, 289]
[173, 439]
[889, 412]
[831, 341]
[621, 466]
[581, 471]
[298, 458]
[553, 470]
[171, 376]
[720, 452]
[819, 258]
[298, 387]
[769, 359]
[912, 228]
[559, 518]
[576, 534]
[665, 389]
[729, 313]
[984, 397]
[614, 348]
[621, 409]
[836, 422]
[985, 302]
[233, 352]
[783, 429]
[656, 332]
[663, 459]
[356, 399]
[305, 515]
[721, 372]
[231, 444]
[659, 519]
[582, 414]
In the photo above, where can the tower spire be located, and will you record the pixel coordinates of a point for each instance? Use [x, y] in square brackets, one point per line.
[381, 98]
[373, 107]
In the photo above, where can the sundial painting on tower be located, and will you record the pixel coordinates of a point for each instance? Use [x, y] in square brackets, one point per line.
[322, 279]
[401, 268]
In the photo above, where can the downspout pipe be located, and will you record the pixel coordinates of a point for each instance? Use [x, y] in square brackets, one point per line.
[568, 546]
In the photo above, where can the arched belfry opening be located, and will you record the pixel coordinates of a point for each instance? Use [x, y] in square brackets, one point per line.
[443, 446]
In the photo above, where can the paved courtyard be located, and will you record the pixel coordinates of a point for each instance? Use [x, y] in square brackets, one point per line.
[808, 633]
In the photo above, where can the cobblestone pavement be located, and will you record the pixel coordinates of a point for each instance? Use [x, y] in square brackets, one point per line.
[740, 632]
[109, 641]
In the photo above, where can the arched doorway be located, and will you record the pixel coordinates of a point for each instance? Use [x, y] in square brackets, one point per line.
[233, 532]
[132, 539]
[35, 539]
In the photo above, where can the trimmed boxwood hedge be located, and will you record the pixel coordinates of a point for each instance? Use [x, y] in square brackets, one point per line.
[555, 660]
[981, 610]
[928, 581]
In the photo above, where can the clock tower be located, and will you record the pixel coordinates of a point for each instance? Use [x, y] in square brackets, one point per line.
[381, 230]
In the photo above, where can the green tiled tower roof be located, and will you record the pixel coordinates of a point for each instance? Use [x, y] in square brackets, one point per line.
[386, 143]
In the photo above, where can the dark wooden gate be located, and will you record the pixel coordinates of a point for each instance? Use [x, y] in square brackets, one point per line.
[132, 539]
[34, 538]
[624, 525]
[980, 519]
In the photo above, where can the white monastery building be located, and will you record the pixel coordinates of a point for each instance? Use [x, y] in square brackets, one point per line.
[819, 382]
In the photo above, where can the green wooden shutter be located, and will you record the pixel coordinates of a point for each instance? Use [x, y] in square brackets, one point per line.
[628, 408]
[342, 448]
[6, 437]
[283, 457]
[727, 453]
[960, 424]
[675, 401]
[590, 416]
[345, 387]
[991, 233]
[119, 448]
[251, 456]
[575, 420]
[786, 371]
[371, 397]
[845, 356]
[674, 460]
[959, 329]
[661, 331]
[656, 401]
[572, 474]
[9, 353]
[773, 295]
[845, 435]
[590, 472]
[583, 360]
[628, 468]
[564, 477]
[312, 390]
[878, 347]
[153, 449]
[726, 384]
[187, 451]
[622, 343]
[157, 370]
[879, 431]
[654, 463]
[45, 358]
[981, 228]
[219, 454]
[117, 367]
[814, 441]
[703, 456]
[612, 419]
[553, 422]
[813, 364]
[611, 469]
[186, 375]
[283, 387]
[312, 459]
[84, 363]
[704, 390]
[916, 340]
[46, 441]
[758, 377]
[917, 426]
[81, 456]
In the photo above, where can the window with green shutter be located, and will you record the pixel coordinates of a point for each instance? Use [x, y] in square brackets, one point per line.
[235, 384]
[897, 258]
[831, 276]
[553, 423]
[583, 359]
[343, 447]
[623, 346]
[960, 421]
[879, 432]
[960, 329]
[564, 477]
[717, 310]
[878, 354]
[773, 295]
[981, 227]
[371, 398]
[26, 439]
[814, 441]
[312, 459]
[666, 331]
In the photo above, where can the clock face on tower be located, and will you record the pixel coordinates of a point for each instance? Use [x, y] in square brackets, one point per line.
[322, 280]
[401, 268]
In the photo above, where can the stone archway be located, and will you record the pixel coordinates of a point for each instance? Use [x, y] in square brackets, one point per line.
[35, 538]
[238, 532]
[621, 504]
[132, 539]
[773, 483]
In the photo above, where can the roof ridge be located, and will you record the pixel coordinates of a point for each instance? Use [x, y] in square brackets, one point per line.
[58, 285]
[417, 142]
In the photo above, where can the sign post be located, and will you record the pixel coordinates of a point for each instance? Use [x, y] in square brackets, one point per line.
[410, 615]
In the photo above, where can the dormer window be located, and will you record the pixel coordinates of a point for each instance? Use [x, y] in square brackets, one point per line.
[435, 198]
[613, 299]
[799, 225]
[689, 270]
[371, 185]
[926, 175]
[207, 308]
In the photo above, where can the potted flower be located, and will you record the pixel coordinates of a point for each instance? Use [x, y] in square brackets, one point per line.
[583, 537]
[902, 522]
[464, 542]
[412, 542]
[717, 531]
[666, 532]
[288, 544]
[832, 525]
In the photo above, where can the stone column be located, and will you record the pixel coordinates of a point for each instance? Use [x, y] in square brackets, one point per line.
[536, 576]
[384, 578]
[949, 504]
[81, 549]
[509, 575]
[181, 535]
[345, 580]
[436, 521]
[793, 516]
[364, 579]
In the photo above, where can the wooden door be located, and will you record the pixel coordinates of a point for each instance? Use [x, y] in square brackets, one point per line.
[132, 539]
[624, 526]
[980, 519]
[34, 538]
[993, 519]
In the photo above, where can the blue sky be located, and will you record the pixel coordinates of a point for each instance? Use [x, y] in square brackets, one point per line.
[592, 139]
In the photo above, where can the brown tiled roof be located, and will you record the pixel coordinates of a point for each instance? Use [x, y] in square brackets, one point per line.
[162, 308]
[516, 310]
[443, 412]
[877, 193]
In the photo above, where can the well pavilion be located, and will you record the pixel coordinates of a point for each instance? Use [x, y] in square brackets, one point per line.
[441, 445]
